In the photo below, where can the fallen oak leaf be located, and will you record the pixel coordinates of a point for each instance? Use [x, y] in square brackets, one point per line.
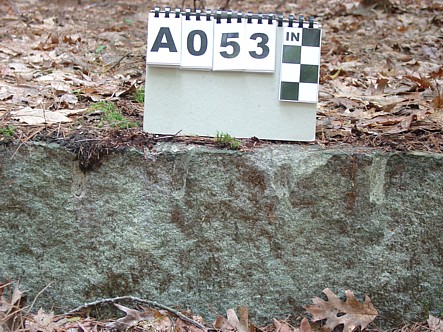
[381, 85]
[437, 73]
[243, 321]
[43, 322]
[183, 326]
[438, 101]
[132, 318]
[33, 116]
[348, 103]
[305, 326]
[351, 313]
[11, 307]
[5, 93]
[232, 322]
[161, 322]
[422, 82]
[282, 326]
[435, 324]
[285, 327]
[68, 98]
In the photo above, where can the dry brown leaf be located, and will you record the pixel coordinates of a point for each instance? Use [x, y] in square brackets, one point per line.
[36, 116]
[351, 313]
[132, 318]
[5, 93]
[162, 322]
[182, 326]
[4, 304]
[305, 326]
[285, 327]
[437, 73]
[222, 324]
[438, 101]
[10, 308]
[348, 103]
[43, 322]
[282, 326]
[68, 98]
[244, 321]
[233, 323]
[381, 85]
[435, 324]
[8, 305]
[422, 82]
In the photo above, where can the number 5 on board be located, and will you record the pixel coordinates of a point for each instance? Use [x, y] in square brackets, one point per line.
[228, 42]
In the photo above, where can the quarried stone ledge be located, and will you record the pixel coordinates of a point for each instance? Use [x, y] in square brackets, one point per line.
[212, 229]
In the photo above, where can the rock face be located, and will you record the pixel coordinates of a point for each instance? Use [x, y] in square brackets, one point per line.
[212, 229]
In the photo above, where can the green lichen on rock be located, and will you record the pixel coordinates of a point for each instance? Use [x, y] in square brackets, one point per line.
[206, 228]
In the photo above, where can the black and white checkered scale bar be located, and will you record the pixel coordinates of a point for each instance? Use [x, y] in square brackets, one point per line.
[300, 62]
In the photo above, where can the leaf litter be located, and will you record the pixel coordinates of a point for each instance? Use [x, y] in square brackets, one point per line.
[381, 73]
[322, 316]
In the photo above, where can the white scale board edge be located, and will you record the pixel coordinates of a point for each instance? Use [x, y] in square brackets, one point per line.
[243, 104]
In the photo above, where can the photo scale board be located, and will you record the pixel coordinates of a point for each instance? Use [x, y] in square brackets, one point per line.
[241, 103]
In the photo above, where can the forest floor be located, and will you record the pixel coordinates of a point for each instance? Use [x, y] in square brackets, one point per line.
[73, 71]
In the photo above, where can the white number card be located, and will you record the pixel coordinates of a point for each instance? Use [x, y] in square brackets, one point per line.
[260, 43]
[229, 42]
[164, 40]
[197, 39]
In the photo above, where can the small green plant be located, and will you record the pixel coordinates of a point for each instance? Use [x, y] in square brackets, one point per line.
[139, 95]
[128, 21]
[225, 140]
[100, 48]
[112, 116]
[7, 132]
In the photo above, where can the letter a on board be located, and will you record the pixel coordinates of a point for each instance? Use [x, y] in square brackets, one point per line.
[169, 44]
[164, 40]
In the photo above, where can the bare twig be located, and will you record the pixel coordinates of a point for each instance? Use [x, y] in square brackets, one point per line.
[118, 61]
[166, 137]
[88, 139]
[36, 297]
[5, 285]
[26, 140]
[139, 300]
